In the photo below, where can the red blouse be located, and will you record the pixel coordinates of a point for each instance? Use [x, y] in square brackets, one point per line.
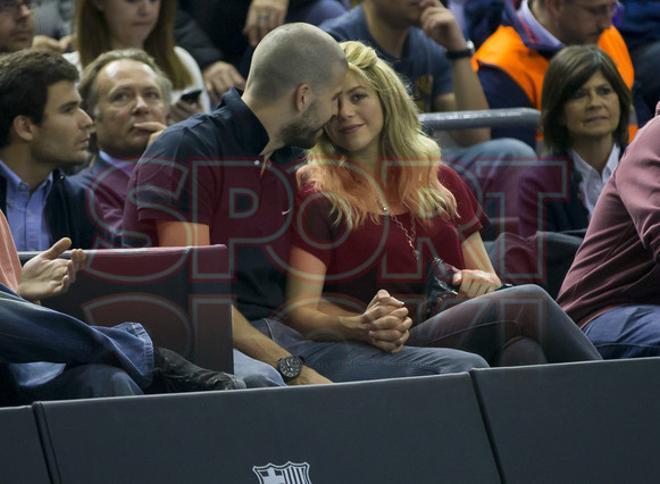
[378, 255]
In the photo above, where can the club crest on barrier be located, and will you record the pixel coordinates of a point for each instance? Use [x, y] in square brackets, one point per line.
[289, 473]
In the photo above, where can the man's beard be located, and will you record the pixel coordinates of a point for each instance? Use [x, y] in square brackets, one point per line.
[302, 134]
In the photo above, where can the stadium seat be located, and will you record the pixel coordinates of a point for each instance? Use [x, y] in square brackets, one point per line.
[181, 295]
[593, 422]
[417, 430]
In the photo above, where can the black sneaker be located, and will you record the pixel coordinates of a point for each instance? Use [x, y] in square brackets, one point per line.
[174, 374]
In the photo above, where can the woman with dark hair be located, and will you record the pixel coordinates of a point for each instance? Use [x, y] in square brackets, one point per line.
[103, 25]
[376, 205]
[586, 106]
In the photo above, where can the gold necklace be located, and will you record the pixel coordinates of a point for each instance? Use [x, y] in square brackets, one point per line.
[411, 236]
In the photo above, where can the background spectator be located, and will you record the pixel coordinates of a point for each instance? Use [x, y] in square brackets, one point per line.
[52, 21]
[42, 129]
[640, 27]
[220, 34]
[105, 25]
[585, 113]
[127, 96]
[512, 62]
[16, 25]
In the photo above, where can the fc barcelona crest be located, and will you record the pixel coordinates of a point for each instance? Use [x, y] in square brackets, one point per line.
[289, 473]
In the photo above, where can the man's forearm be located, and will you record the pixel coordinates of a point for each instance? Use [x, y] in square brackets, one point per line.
[469, 96]
[253, 342]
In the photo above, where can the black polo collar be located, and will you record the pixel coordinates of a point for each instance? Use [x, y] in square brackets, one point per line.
[249, 132]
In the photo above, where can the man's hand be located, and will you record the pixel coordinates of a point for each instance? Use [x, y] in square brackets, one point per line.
[153, 127]
[439, 23]
[474, 283]
[309, 376]
[181, 110]
[42, 42]
[219, 78]
[263, 16]
[46, 275]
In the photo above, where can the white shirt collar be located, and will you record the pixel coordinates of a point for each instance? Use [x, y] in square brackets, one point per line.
[543, 37]
[593, 182]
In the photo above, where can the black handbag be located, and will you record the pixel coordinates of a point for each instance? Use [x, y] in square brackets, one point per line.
[441, 293]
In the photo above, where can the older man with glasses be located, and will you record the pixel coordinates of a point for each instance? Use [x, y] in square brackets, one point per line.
[511, 63]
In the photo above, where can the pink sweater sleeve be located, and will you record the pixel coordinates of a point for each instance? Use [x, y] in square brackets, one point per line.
[10, 267]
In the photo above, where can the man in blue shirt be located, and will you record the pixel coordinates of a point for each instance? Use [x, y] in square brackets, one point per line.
[425, 44]
[42, 130]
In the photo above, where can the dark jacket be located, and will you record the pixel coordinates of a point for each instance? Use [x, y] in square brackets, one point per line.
[554, 185]
[66, 213]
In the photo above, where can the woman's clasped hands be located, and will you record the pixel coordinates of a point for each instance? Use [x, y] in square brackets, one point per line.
[384, 324]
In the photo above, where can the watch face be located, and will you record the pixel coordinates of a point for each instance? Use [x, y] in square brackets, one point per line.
[290, 367]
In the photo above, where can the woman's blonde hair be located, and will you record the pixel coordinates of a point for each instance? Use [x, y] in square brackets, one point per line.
[415, 157]
[93, 39]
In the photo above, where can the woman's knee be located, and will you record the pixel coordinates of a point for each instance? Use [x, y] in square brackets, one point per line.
[527, 291]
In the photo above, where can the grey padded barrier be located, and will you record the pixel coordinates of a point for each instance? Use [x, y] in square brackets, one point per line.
[417, 430]
[489, 118]
[21, 456]
[593, 422]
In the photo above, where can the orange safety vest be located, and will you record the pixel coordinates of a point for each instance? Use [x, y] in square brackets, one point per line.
[506, 50]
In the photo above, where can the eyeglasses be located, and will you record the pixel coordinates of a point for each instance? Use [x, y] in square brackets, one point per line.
[14, 6]
[607, 10]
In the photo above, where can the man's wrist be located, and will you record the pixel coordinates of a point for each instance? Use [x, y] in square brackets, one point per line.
[466, 52]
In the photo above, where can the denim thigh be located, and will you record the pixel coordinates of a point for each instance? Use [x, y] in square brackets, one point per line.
[626, 332]
[342, 361]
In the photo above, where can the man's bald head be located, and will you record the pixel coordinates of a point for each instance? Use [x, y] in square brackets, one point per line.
[291, 55]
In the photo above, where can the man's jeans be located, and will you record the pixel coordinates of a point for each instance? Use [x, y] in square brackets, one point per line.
[626, 332]
[31, 335]
[256, 373]
[342, 361]
[491, 169]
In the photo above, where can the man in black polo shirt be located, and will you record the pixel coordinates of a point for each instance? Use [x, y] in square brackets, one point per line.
[227, 178]
[198, 182]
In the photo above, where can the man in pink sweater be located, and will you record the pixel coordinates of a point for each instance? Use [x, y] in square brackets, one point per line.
[612, 290]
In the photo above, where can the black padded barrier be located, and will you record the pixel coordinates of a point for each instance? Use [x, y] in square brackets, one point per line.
[418, 430]
[21, 455]
[594, 422]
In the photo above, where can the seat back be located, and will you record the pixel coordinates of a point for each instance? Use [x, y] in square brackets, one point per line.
[403, 431]
[181, 295]
[574, 422]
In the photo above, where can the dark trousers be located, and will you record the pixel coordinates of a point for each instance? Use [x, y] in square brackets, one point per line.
[518, 326]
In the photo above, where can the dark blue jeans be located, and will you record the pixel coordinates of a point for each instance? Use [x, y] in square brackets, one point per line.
[43, 346]
[343, 361]
[626, 332]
